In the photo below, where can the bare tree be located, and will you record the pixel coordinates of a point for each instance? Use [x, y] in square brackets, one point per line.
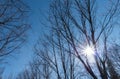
[24, 75]
[78, 24]
[114, 61]
[75, 25]
[12, 25]
[51, 62]
[36, 70]
[53, 56]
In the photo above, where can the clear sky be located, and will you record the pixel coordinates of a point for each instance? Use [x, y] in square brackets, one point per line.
[18, 61]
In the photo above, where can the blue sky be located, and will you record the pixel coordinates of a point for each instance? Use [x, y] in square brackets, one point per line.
[19, 60]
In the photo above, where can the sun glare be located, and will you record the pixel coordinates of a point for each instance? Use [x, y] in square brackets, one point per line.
[89, 52]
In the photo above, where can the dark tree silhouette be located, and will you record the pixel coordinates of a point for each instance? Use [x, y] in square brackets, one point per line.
[74, 25]
[77, 24]
[12, 25]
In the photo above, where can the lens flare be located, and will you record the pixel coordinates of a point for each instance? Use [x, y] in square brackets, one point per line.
[89, 52]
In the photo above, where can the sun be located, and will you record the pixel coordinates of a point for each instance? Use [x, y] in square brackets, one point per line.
[89, 52]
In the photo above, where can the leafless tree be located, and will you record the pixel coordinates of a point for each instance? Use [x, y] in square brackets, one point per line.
[12, 25]
[114, 60]
[76, 24]
[53, 56]
[51, 62]
[36, 70]
[24, 75]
